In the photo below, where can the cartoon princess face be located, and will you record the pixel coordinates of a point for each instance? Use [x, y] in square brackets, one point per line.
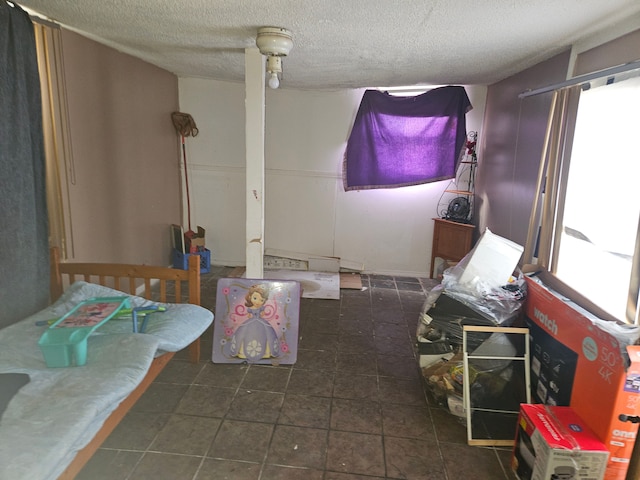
[256, 300]
[256, 297]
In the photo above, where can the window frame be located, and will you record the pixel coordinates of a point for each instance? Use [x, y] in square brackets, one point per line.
[546, 221]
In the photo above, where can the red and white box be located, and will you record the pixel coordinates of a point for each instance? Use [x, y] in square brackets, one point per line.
[575, 362]
[555, 443]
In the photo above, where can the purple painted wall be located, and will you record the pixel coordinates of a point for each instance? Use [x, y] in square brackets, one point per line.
[126, 154]
[510, 150]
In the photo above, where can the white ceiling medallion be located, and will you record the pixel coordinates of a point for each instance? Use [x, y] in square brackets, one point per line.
[275, 43]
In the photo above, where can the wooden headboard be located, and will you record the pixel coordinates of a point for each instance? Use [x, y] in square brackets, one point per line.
[127, 278]
[131, 278]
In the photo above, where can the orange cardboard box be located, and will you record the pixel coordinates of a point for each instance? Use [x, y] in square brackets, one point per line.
[576, 363]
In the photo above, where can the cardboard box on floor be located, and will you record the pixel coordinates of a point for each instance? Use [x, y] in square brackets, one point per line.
[576, 363]
[194, 241]
[555, 443]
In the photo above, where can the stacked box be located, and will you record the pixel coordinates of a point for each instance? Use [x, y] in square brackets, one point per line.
[555, 443]
[194, 241]
[575, 362]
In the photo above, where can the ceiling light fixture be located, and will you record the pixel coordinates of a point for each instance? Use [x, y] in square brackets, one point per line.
[275, 43]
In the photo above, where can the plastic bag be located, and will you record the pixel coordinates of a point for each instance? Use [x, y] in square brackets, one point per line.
[487, 279]
[499, 303]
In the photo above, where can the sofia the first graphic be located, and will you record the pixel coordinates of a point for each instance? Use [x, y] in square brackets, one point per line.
[256, 321]
[255, 338]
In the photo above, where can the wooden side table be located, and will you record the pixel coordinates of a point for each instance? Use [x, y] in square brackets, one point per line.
[451, 240]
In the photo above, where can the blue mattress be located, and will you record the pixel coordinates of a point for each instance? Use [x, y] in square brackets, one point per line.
[60, 410]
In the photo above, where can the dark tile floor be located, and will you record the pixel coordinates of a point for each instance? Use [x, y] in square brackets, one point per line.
[353, 406]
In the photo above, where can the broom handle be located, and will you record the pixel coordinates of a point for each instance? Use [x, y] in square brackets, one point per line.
[186, 182]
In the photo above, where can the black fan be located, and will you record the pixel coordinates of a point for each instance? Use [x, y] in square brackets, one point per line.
[458, 210]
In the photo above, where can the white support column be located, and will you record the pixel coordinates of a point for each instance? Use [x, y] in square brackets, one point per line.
[254, 68]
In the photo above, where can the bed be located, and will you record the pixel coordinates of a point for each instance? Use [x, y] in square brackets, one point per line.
[53, 423]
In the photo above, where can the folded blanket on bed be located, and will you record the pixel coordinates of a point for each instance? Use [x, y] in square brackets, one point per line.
[60, 410]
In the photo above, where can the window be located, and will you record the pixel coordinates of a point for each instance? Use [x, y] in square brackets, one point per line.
[401, 141]
[590, 223]
[602, 205]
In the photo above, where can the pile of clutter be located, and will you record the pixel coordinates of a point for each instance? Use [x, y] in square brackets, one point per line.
[484, 289]
[568, 429]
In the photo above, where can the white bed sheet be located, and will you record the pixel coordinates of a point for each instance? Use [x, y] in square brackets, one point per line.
[60, 410]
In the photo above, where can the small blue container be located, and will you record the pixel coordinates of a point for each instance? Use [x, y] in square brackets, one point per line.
[181, 260]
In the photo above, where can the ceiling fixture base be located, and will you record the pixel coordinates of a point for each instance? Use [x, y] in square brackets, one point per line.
[275, 41]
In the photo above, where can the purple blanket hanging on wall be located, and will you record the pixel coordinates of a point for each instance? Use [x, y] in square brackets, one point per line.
[401, 141]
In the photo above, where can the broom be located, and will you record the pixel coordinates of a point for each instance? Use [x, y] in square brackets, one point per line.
[186, 127]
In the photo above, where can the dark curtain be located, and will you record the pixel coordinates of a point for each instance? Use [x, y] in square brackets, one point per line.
[401, 141]
[24, 256]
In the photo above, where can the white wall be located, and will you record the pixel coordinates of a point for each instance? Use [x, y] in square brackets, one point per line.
[307, 210]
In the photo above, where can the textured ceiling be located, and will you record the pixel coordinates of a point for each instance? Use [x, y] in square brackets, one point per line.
[344, 43]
